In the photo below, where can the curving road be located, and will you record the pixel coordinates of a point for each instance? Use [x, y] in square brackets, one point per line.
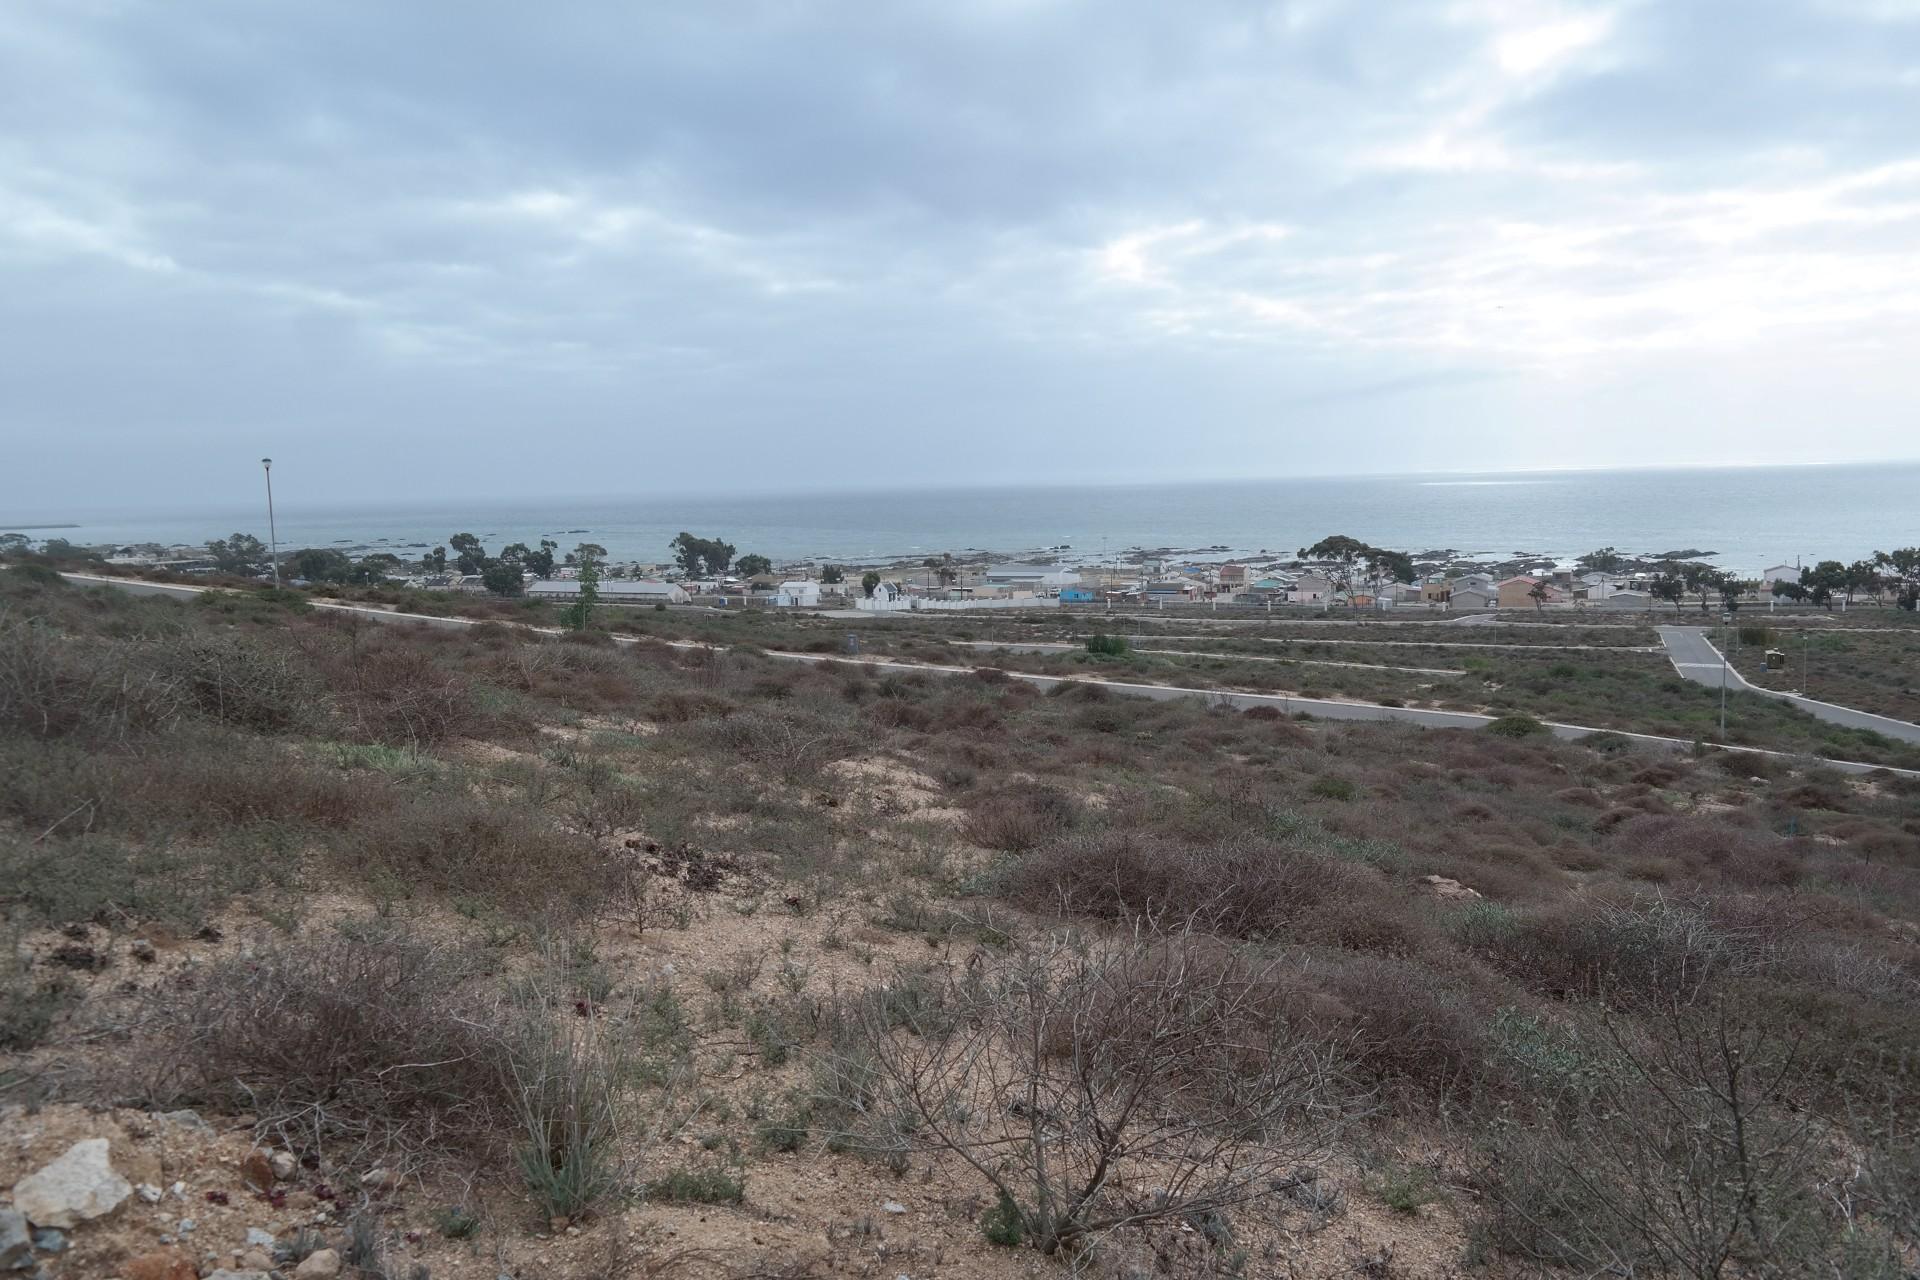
[1318, 708]
[1695, 658]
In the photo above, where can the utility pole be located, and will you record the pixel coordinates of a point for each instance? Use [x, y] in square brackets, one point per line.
[273, 533]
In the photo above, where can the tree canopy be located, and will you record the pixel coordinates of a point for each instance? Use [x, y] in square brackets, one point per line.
[699, 557]
[751, 565]
[239, 553]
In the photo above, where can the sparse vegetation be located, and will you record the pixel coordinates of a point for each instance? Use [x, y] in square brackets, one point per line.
[614, 929]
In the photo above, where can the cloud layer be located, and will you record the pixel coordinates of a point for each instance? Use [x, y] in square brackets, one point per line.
[453, 248]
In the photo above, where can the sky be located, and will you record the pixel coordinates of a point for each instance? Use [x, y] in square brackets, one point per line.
[492, 249]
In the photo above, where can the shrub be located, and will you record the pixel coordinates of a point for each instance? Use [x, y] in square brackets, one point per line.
[28, 1007]
[460, 844]
[53, 685]
[247, 680]
[1516, 726]
[566, 1073]
[699, 1186]
[377, 1036]
[1241, 886]
[1147, 1083]
[1019, 816]
[1107, 646]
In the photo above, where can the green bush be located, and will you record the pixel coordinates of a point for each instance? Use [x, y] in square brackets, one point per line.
[1002, 1224]
[1516, 725]
[1107, 646]
[699, 1186]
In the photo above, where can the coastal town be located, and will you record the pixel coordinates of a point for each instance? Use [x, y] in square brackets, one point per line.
[1337, 572]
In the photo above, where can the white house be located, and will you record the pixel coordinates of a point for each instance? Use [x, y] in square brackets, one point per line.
[1310, 588]
[804, 594]
[1779, 573]
[1034, 577]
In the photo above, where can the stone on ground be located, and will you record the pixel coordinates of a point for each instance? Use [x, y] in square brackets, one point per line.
[79, 1186]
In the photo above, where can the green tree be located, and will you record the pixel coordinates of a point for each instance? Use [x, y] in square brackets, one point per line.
[869, 583]
[540, 562]
[587, 555]
[1901, 570]
[1731, 589]
[239, 553]
[1341, 553]
[435, 560]
[12, 544]
[1387, 566]
[701, 556]
[319, 564]
[1823, 580]
[750, 566]
[469, 555]
[61, 549]
[503, 577]
[1538, 594]
[943, 568]
[1669, 586]
[1605, 560]
[832, 574]
[1789, 590]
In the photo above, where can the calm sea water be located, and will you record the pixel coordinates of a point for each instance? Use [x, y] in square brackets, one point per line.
[1753, 517]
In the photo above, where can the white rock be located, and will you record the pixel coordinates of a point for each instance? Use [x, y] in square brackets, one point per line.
[256, 1238]
[148, 1192]
[224, 1274]
[318, 1265]
[78, 1187]
[894, 1206]
[16, 1246]
[187, 1225]
[283, 1165]
[188, 1121]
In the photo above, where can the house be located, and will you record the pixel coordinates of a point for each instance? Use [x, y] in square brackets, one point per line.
[1233, 575]
[1172, 589]
[1311, 588]
[1626, 598]
[1436, 590]
[1471, 598]
[1034, 577]
[611, 591]
[803, 594]
[1473, 582]
[1076, 595]
[1517, 592]
[1778, 573]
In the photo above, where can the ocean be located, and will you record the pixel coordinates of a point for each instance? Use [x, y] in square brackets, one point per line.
[1750, 517]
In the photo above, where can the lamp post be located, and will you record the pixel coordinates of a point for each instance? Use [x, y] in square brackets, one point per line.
[1726, 620]
[273, 533]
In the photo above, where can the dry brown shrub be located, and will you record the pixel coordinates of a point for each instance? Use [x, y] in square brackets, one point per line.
[458, 844]
[1240, 886]
[361, 1041]
[1020, 816]
[1669, 847]
[1096, 1089]
[396, 692]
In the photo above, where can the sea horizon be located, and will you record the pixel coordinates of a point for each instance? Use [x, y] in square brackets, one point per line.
[1750, 516]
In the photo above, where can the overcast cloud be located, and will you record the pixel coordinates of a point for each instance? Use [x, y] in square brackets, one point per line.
[470, 248]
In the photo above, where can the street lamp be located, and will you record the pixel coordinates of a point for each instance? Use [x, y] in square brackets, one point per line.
[273, 533]
[1726, 620]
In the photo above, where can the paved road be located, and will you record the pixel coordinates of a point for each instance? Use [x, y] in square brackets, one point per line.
[1695, 658]
[1133, 642]
[1319, 708]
